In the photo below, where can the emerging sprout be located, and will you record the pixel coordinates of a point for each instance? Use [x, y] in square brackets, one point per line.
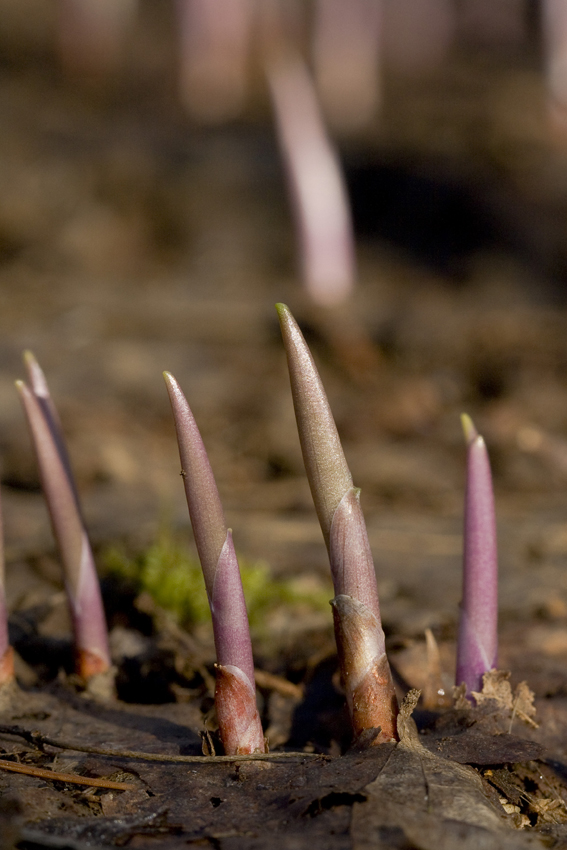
[214, 57]
[347, 46]
[93, 34]
[554, 30]
[477, 646]
[235, 695]
[81, 582]
[360, 638]
[6, 651]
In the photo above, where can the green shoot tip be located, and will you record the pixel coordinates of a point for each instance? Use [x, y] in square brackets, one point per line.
[469, 429]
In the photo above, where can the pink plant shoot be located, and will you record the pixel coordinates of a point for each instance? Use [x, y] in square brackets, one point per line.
[319, 198]
[235, 694]
[477, 646]
[81, 582]
[554, 25]
[347, 43]
[6, 651]
[360, 639]
[214, 56]
[93, 34]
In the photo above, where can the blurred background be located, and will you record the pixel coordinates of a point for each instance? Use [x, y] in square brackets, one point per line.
[169, 170]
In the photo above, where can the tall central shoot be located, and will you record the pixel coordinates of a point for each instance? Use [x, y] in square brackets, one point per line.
[364, 666]
[235, 694]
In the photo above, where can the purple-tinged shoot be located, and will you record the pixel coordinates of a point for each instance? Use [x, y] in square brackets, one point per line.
[554, 31]
[214, 56]
[360, 638]
[92, 654]
[6, 651]
[477, 645]
[93, 34]
[319, 198]
[235, 694]
[38, 385]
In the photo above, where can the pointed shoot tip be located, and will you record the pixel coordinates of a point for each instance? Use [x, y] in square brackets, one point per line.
[172, 384]
[469, 429]
[36, 377]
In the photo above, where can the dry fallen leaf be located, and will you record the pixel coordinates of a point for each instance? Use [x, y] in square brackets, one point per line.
[499, 700]
[422, 801]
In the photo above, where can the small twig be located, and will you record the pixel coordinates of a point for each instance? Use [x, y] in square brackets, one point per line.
[55, 776]
[41, 741]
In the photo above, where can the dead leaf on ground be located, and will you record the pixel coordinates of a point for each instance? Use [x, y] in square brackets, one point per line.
[422, 801]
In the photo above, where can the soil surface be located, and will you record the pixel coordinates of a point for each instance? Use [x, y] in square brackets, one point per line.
[133, 241]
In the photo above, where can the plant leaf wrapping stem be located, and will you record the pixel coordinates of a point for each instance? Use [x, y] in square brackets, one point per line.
[351, 559]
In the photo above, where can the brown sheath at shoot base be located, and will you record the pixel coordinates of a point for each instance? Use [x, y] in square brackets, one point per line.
[365, 670]
[7, 666]
[237, 713]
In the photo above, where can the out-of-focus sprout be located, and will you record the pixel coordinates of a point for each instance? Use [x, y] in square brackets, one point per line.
[417, 36]
[554, 25]
[93, 34]
[319, 198]
[215, 51]
[477, 645]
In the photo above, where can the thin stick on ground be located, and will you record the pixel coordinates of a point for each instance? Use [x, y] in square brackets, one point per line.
[360, 638]
[56, 776]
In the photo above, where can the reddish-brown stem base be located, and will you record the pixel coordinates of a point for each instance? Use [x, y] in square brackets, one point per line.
[89, 664]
